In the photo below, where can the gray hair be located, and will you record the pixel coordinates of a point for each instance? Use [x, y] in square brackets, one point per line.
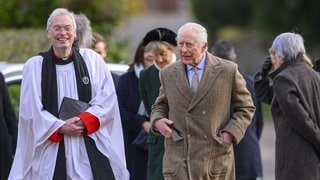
[202, 37]
[58, 12]
[84, 37]
[288, 45]
[223, 49]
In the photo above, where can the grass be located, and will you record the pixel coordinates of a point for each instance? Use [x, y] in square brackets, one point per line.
[266, 110]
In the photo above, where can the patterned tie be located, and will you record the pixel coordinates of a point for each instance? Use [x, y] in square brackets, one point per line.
[195, 79]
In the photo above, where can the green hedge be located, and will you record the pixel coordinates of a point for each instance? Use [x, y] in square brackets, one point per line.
[19, 45]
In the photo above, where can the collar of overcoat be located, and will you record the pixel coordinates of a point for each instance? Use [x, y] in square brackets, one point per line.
[211, 71]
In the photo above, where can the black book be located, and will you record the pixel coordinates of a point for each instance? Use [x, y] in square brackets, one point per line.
[71, 108]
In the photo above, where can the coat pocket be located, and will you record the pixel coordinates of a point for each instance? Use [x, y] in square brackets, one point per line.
[221, 158]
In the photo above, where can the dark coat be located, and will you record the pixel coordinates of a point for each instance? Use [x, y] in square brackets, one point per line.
[149, 90]
[247, 152]
[196, 150]
[8, 130]
[115, 78]
[295, 110]
[129, 101]
[263, 89]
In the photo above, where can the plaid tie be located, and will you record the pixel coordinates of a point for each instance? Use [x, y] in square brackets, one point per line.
[195, 79]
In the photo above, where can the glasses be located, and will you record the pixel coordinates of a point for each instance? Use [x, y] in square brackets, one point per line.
[58, 29]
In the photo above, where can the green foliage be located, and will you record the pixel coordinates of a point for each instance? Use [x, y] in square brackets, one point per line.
[216, 14]
[270, 17]
[22, 24]
[266, 111]
[117, 52]
[19, 45]
[14, 92]
[32, 13]
[103, 14]
[276, 16]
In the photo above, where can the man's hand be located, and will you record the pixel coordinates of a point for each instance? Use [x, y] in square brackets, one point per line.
[72, 127]
[227, 137]
[162, 126]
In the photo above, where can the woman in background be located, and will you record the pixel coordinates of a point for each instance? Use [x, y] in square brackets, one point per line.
[295, 106]
[133, 113]
[162, 43]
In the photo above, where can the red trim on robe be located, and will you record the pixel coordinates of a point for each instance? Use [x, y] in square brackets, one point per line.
[56, 136]
[90, 121]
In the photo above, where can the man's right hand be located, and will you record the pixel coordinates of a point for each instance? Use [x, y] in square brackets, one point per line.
[163, 127]
[266, 67]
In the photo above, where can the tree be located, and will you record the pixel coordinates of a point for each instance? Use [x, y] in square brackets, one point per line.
[216, 14]
[276, 16]
[21, 20]
[270, 17]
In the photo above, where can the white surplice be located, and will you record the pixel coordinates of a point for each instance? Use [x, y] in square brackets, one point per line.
[35, 155]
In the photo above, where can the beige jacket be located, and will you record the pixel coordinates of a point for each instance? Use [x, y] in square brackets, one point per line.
[196, 150]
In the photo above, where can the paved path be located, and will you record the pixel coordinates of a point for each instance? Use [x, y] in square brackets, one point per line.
[267, 143]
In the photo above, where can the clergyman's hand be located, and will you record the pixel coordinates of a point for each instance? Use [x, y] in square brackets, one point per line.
[72, 127]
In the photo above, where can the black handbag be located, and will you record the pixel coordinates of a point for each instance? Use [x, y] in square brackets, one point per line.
[141, 140]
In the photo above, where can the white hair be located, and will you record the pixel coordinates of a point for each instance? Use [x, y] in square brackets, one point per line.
[84, 37]
[58, 12]
[288, 45]
[202, 37]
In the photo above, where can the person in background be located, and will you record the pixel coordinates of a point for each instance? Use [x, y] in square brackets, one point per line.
[87, 146]
[87, 39]
[247, 153]
[133, 113]
[8, 130]
[295, 107]
[84, 38]
[162, 43]
[193, 110]
[100, 46]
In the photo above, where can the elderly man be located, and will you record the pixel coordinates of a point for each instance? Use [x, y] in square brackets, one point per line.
[86, 146]
[193, 110]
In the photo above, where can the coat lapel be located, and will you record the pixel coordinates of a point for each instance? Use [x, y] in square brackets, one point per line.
[181, 80]
[211, 71]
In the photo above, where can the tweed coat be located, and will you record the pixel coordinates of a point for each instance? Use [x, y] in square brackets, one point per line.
[197, 150]
[296, 114]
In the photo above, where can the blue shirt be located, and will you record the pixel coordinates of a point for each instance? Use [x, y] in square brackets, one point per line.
[200, 67]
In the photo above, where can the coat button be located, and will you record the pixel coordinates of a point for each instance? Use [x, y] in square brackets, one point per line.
[203, 112]
[189, 135]
[188, 158]
[204, 159]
